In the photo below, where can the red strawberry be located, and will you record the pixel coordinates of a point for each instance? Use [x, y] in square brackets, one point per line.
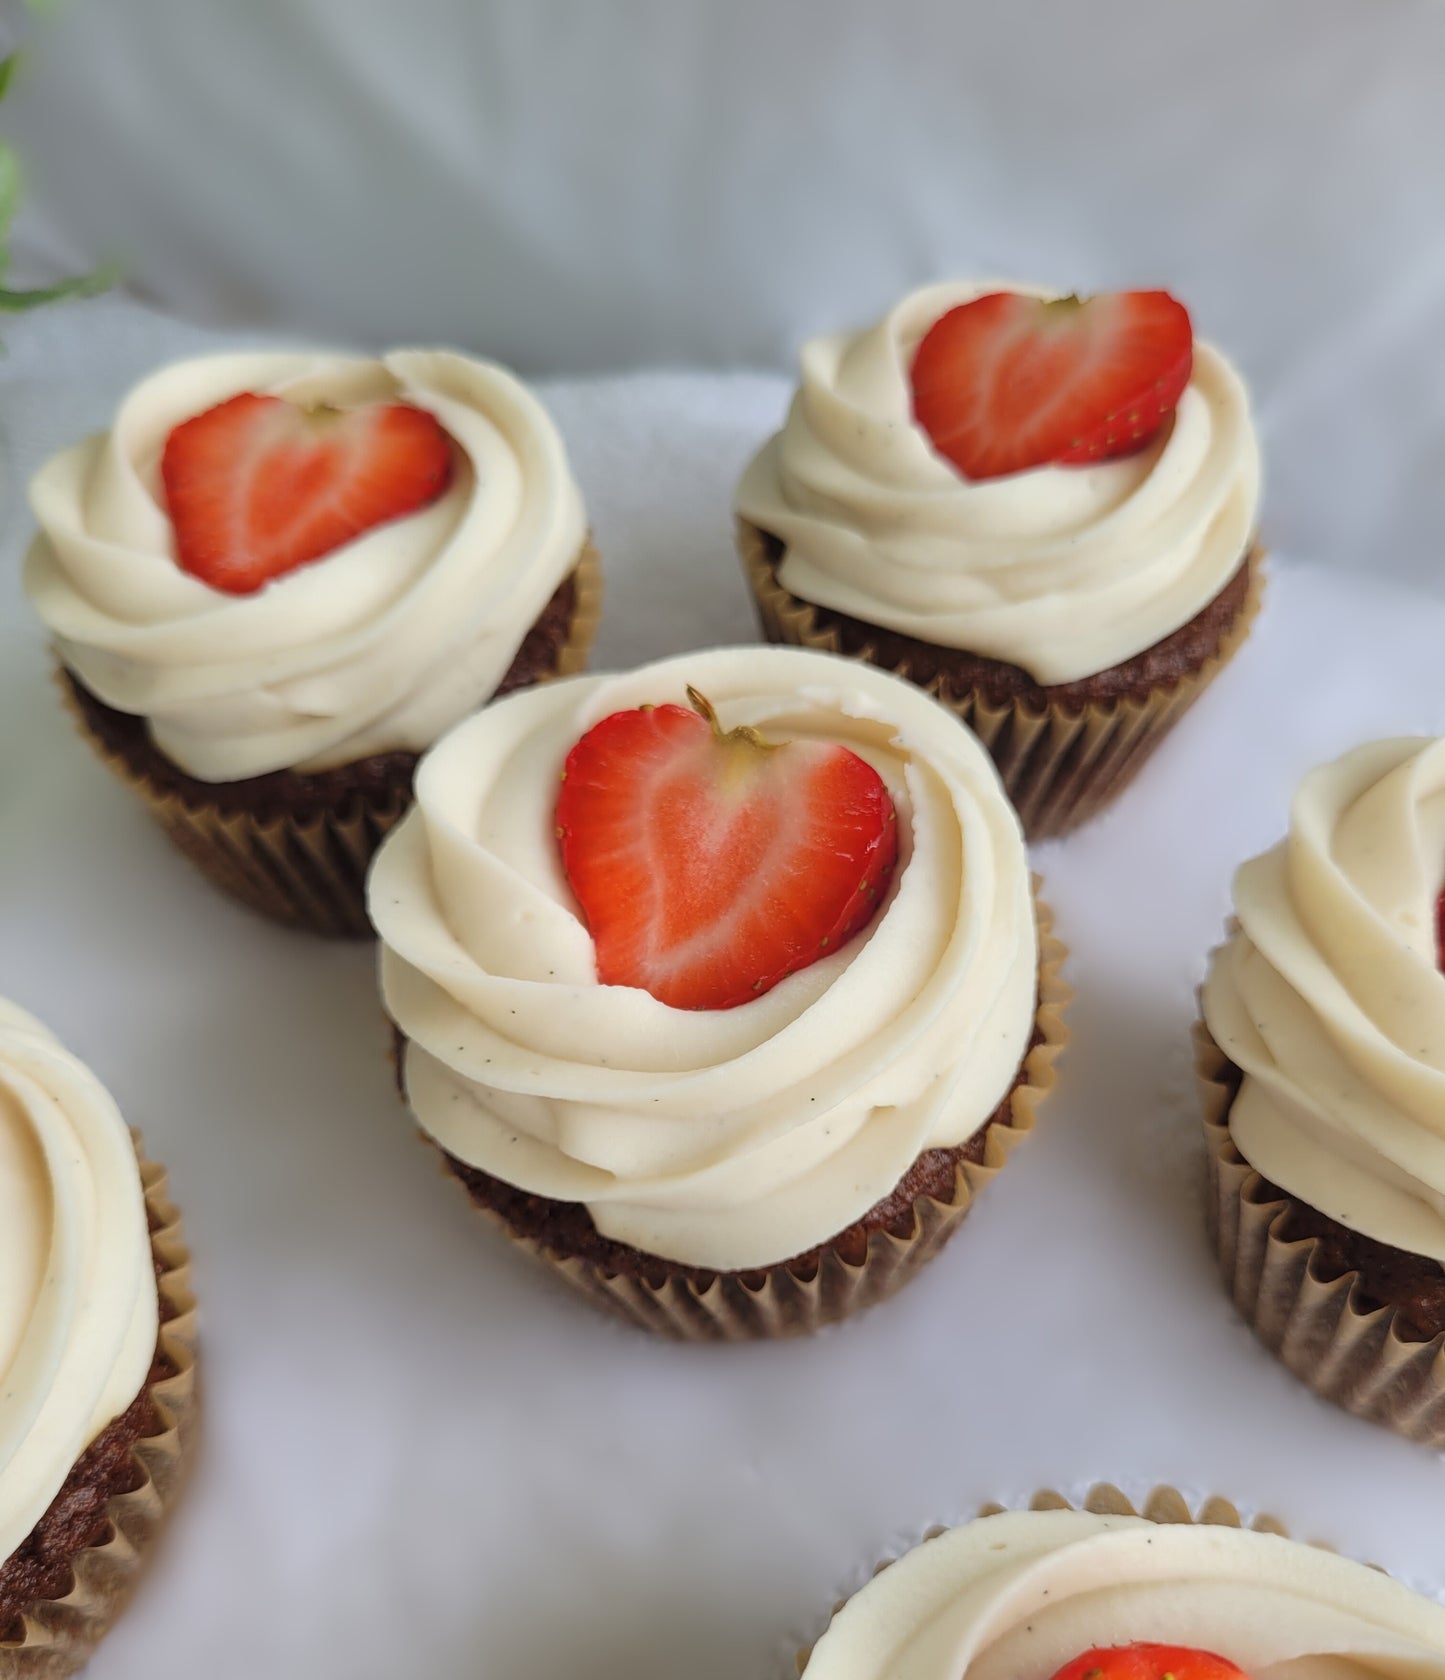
[1440, 929]
[259, 486]
[1149, 1662]
[710, 866]
[1010, 382]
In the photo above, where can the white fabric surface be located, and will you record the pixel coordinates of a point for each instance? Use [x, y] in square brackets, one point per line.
[420, 1456]
[578, 186]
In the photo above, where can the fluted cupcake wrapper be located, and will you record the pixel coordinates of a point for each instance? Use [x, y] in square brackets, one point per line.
[61, 1633]
[1315, 1324]
[1060, 766]
[310, 871]
[1163, 1504]
[789, 1300]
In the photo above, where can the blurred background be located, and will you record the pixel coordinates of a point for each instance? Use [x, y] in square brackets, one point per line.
[577, 186]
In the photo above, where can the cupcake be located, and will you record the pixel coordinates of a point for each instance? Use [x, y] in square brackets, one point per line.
[721, 985]
[1106, 1594]
[97, 1331]
[1321, 1059]
[1041, 510]
[280, 576]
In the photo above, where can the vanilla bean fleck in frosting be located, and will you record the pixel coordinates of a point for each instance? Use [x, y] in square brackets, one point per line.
[380, 646]
[1062, 570]
[78, 1305]
[1329, 996]
[1019, 1595]
[718, 1138]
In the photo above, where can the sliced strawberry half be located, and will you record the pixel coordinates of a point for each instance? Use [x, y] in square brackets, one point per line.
[1149, 1662]
[1008, 382]
[711, 865]
[258, 486]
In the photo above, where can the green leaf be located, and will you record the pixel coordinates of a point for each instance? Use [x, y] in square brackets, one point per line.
[78, 286]
[13, 300]
[12, 181]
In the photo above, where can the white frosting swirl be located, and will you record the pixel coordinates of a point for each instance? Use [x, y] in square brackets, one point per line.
[725, 1138]
[78, 1306]
[1064, 571]
[1330, 998]
[1016, 1596]
[380, 646]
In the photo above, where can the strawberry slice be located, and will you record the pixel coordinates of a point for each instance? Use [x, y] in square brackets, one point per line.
[258, 486]
[1149, 1662]
[710, 866]
[1008, 382]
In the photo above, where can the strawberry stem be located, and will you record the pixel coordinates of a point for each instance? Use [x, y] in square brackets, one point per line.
[743, 733]
[322, 413]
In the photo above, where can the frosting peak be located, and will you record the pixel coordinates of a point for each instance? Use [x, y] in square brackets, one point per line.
[718, 1138]
[1329, 996]
[1062, 570]
[378, 647]
[78, 1306]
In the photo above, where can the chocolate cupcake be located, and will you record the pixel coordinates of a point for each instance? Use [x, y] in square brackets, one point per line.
[1108, 1593]
[280, 576]
[1321, 1059]
[624, 1030]
[1040, 510]
[97, 1336]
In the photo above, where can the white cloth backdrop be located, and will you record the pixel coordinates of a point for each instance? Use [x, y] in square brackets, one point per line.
[582, 184]
[421, 1458]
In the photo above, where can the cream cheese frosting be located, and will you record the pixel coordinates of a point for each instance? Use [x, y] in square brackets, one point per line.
[1330, 998]
[1064, 571]
[78, 1305]
[380, 646]
[730, 1138]
[1016, 1596]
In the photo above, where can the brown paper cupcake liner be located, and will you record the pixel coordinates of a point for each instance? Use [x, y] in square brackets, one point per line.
[61, 1633]
[1060, 766]
[1163, 1504]
[796, 1298]
[1317, 1324]
[309, 871]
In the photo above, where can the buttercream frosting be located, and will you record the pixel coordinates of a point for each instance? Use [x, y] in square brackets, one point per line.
[1330, 998]
[380, 646]
[1063, 570]
[78, 1305]
[728, 1138]
[1016, 1596]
